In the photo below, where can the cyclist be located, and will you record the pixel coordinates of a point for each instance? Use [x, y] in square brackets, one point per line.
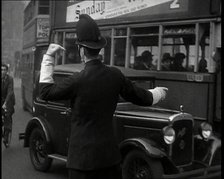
[7, 102]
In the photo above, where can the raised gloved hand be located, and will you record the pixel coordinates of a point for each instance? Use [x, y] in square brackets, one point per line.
[159, 93]
[53, 49]
[47, 65]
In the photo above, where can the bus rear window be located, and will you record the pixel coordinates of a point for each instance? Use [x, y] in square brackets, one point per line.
[72, 52]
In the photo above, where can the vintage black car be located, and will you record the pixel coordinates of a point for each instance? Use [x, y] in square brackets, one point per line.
[154, 142]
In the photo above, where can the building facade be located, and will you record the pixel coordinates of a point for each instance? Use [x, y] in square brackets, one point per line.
[12, 33]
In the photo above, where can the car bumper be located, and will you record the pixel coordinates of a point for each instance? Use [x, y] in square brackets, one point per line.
[212, 172]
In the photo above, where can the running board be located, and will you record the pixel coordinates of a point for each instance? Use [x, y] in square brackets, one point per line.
[58, 157]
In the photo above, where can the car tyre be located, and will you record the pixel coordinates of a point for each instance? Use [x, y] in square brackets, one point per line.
[137, 165]
[38, 150]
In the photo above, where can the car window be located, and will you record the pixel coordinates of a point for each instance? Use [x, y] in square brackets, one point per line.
[57, 78]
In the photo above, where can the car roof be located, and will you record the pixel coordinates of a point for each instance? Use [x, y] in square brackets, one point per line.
[128, 72]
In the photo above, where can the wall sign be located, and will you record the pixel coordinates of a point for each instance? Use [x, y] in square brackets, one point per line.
[43, 28]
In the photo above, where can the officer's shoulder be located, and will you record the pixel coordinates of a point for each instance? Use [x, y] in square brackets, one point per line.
[114, 70]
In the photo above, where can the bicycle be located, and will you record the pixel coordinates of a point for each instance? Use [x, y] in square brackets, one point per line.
[6, 133]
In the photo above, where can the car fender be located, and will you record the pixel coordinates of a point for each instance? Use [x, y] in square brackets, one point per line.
[207, 150]
[150, 148]
[40, 123]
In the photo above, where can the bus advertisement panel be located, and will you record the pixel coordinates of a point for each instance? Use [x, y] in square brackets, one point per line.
[129, 11]
[110, 9]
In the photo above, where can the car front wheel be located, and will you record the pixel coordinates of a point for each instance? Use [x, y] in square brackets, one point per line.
[137, 165]
[38, 150]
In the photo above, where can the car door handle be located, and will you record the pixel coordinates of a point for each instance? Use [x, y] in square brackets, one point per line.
[64, 112]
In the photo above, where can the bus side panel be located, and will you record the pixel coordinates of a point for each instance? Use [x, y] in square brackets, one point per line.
[196, 97]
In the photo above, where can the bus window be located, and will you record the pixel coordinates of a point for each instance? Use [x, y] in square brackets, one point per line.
[72, 52]
[204, 32]
[58, 78]
[144, 48]
[43, 7]
[120, 37]
[58, 39]
[178, 43]
[105, 52]
[40, 51]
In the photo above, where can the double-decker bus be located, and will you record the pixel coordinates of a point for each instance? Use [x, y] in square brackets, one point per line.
[35, 43]
[176, 41]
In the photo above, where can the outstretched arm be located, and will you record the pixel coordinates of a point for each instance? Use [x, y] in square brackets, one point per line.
[130, 92]
[48, 89]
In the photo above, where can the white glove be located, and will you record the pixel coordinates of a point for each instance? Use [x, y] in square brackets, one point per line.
[47, 65]
[159, 93]
[53, 48]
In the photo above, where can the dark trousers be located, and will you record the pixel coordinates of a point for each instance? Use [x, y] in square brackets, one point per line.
[113, 172]
[7, 125]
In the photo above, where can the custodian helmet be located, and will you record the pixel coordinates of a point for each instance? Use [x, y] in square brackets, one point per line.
[88, 33]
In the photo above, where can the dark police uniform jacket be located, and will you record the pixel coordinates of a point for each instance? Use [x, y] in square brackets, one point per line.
[94, 93]
[7, 93]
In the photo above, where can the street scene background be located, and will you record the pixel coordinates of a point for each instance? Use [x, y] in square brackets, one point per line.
[15, 159]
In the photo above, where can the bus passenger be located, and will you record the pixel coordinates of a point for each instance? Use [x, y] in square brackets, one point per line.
[93, 150]
[202, 66]
[178, 62]
[70, 56]
[166, 61]
[139, 65]
[144, 62]
[147, 59]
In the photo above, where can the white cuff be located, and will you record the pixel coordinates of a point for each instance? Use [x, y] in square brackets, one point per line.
[156, 95]
[47, 69]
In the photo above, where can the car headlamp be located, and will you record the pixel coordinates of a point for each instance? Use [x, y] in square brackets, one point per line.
[205, 130]
[169, 135]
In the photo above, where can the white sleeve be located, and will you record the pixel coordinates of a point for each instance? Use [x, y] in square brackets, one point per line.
[47, 69]
[156, 95]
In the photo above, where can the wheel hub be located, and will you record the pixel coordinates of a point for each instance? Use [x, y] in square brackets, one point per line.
[142, 174]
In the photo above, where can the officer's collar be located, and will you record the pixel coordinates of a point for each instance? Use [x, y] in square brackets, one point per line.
[93, 62]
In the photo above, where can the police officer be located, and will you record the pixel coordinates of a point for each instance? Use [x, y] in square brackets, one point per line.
[93, 152]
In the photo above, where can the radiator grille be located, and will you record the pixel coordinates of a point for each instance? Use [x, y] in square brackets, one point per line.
[182, 148]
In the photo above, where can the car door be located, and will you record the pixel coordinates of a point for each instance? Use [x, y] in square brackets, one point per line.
[58, 116]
